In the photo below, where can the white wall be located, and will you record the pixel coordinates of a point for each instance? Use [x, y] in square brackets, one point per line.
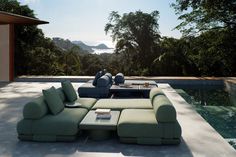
[4, 52]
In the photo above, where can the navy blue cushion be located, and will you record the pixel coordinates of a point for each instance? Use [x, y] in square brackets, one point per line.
[119, 78]
[103, 81]
[97, 76]
[110, 78]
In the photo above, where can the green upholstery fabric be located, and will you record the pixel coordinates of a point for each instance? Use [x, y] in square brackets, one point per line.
[24, 126]
[69, 91]
[86, 102]
[61, 94]
[138, 123]
[150, 141]
[53, 100]
[120, 104]
[64, 123]
[46, 138]
[154, 92]
[35, 109]
[53, 138]
[142, 123]
[164, 110]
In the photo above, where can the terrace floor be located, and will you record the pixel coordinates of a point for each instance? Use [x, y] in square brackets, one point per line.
[198, 137]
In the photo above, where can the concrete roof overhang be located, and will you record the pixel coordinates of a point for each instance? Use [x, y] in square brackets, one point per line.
[9, 18]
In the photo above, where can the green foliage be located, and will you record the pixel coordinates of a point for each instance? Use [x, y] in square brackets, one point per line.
[137, 35]
[203, 15]
[214, 53]
[174, 60]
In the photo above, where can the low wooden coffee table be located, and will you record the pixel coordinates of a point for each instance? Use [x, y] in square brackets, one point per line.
[99, 129]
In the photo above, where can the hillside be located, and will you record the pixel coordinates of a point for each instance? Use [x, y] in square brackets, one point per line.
[66, 44]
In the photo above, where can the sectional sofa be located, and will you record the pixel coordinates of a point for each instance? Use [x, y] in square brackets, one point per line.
[142, 121]
[40, 124]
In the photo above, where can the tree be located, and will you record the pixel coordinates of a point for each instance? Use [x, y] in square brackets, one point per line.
[90, 64]
[203, 15]
[137, 35]
[213, 52]
[175, 59]
[72, 62]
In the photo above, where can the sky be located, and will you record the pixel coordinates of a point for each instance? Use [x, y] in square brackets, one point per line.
[85, 19]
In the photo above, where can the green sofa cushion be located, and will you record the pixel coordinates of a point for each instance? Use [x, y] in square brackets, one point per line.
[35, 109]
[53, 100]
[120, 104]
[61, 94]
[24, 126]
[138, 123]
[154, 92]
[86, 102]
[164, 110]
[150, 140]
[69, 91]
[142, 123]
[64, 123]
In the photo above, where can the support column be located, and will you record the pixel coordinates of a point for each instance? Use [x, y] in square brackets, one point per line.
[5, 53]
[11, 52]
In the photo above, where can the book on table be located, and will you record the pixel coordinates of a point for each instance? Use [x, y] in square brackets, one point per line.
[103, 111]
[103, 116]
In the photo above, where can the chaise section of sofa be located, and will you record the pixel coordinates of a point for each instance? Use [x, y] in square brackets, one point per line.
[140, 126]
[39, 124]
[150, 126]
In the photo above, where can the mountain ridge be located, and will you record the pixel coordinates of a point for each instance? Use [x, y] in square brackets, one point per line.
[66, 44]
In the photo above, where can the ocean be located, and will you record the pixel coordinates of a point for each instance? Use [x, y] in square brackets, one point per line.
[99, 51]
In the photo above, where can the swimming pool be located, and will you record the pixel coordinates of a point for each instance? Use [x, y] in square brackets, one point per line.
[216, 105]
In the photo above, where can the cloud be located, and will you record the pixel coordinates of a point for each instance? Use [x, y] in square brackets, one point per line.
[29, 1]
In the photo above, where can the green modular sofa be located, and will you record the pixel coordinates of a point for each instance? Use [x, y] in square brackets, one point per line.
[145, 121]
[39, 124]
[142, 121]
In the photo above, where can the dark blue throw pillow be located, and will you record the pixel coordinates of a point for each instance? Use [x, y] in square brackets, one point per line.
[97, 76]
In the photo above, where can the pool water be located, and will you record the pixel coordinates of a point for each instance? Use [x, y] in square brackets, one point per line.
[217, 106]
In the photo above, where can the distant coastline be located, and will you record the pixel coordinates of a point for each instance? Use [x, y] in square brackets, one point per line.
[100, 51]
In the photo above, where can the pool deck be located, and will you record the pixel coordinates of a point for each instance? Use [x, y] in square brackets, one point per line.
[198, 137]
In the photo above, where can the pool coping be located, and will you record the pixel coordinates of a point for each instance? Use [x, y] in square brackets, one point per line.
[202, 139]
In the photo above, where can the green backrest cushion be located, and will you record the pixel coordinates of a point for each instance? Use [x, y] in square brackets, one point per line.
[35, 109]
[53, 100]
[61, 94]
[163, 108]
[69, 91]
[154, 92]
